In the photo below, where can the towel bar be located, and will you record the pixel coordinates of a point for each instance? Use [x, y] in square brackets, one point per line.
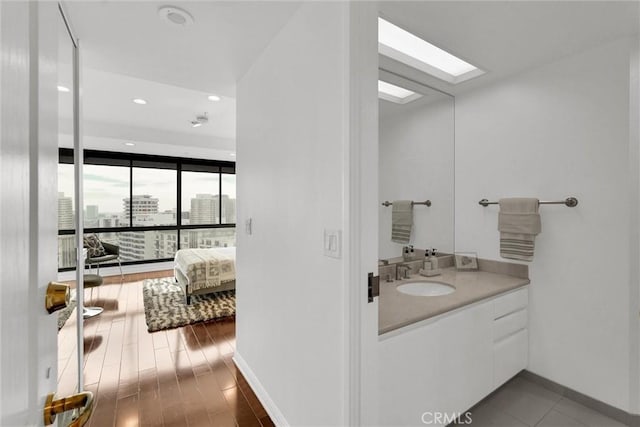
[426, 203]
[570, 202]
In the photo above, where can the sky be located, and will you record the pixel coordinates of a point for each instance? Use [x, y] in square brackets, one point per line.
[107, 186]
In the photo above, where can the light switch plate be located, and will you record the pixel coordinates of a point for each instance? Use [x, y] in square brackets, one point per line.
[248, 226]
[333, 243]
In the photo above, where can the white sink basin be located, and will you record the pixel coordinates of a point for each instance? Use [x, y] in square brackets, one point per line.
[423, 288]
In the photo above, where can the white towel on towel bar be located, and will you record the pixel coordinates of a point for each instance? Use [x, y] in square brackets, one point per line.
[401, 221]
[518, 223]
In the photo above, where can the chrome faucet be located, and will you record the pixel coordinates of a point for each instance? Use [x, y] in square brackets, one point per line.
[402, 272]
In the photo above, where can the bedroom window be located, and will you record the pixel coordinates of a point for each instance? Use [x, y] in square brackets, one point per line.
[66, 194]
[208, 238]
[228, 198]
[154, 196]
[105, 188]
[200, 198]
[66, 251]
[150, 206]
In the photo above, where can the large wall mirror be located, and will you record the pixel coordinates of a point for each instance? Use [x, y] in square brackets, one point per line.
[416, 162]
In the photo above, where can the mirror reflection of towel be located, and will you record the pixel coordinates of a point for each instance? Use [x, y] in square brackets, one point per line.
[518, 223]
[401, 221]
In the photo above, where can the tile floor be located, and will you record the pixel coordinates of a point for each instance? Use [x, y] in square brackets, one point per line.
[522, 403]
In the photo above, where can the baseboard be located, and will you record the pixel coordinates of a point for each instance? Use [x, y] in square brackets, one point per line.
[274, 412]
[64, 276]
[617, 414]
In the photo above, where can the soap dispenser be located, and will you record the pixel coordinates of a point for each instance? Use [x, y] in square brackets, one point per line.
[434, 259]
[430, 264]
[412, 254]
[405, 253]
[427, 261]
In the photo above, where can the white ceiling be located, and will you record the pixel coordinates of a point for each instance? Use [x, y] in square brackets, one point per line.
[108, 112]
[506, 37]
[211, 55]
[129, 52]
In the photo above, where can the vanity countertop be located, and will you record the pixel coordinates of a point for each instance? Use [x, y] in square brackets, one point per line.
[398, 310]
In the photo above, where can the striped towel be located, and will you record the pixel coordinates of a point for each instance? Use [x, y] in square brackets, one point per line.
[518, 223]
[401, 221]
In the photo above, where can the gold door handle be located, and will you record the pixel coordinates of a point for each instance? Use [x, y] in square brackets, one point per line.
[82, 401]
[58, 297]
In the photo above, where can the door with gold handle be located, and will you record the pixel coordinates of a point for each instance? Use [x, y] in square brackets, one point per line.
[57, 297]
[82, 401]
[34, 115]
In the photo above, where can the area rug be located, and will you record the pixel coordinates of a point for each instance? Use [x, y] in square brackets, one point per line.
[65, 313]
[165, 307]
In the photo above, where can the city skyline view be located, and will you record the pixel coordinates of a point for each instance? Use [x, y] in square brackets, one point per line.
[204, 207]
[154, 203]
[107, 186]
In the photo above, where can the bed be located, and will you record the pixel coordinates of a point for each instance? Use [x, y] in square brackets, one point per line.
[205, 271]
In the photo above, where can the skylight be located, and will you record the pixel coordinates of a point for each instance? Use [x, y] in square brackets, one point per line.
[409, 49]
[396, 94]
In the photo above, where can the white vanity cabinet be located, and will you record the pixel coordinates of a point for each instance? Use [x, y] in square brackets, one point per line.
[510, 336]
[448, 364]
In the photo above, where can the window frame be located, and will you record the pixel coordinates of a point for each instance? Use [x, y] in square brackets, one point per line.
[134, 160]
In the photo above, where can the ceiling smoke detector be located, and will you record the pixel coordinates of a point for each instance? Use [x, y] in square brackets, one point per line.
[175, 16]
[200, 120]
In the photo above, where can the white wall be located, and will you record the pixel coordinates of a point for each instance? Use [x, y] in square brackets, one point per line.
[634, 248]
[416, 163]
[292, 128]
[559, 130]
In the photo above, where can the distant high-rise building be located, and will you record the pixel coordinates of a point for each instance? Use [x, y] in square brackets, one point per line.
[65, 212]
[204, 209]
[141, 245]
[138, 245]
[211, 238]
[91, 216]
[228, 210]
[166, 244]
[133, 245]
[66, 251]
[142, 206]
[92, 212]
[109, 222]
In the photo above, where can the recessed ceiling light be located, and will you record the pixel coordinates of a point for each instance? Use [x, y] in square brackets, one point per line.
[175, 16]
[409, 49]
[129, 144]
[396, 94]
[232, 154]
[139, 101]
[63, 89]
[214, 98]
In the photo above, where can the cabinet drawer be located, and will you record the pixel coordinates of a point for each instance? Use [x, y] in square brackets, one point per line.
[510, 356]
[510, 323]
[511, 302]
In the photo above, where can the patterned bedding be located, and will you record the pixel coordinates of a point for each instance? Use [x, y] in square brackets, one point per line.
[206, 268]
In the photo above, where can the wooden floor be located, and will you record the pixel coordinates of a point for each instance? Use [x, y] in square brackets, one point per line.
[179, 377]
